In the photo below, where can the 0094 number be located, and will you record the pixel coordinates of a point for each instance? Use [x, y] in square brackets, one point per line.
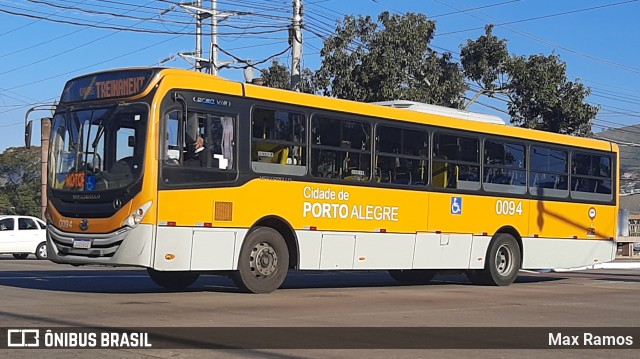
[508, 208]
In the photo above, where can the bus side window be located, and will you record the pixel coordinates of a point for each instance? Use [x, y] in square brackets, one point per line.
[456, 162]
[341, 149]
[401, 156]
[198, 150]
[591, 176]
[278, 142]
[173, 148]
[219, 142]
[548, 175]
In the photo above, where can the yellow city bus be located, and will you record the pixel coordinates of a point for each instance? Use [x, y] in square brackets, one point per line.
[184, 173]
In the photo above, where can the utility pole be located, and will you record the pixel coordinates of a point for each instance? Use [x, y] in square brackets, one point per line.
[202, 14]
[198, 35]
[45, 133]
[295, 36]
[214, 38]
[199, 15]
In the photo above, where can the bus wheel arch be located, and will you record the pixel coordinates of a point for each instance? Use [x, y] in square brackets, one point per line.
[516, 235]
[264, 257]
[286, 231]
[503, 259]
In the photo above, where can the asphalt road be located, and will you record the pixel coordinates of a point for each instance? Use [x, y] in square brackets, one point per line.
[42, 294]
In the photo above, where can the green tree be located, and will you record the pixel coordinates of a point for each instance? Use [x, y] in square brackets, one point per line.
[484, 61]
[539, 93]
[20, 181]
[541, 97]
[391, 59]
[278, 76]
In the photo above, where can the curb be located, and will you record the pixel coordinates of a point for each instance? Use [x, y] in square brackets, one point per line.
[610, 265]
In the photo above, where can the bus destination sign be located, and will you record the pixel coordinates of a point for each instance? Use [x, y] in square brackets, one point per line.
[107, 85]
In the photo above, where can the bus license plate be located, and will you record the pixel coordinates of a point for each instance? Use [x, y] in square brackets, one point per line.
[82, 243]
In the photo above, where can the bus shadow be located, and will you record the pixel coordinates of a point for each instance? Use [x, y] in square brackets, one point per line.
[138, 282]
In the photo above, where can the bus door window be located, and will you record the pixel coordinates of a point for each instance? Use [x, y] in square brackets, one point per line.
[401, 156]
[278, 142]
[341, 149]
[456, 162]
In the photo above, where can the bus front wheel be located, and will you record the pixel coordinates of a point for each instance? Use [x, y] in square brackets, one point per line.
[172, 280]
[503, 263]
[263, 261]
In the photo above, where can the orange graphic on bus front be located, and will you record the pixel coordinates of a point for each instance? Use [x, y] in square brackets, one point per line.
[74, 180]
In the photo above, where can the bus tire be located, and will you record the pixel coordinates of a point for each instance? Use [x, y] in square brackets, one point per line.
[413, 276]
[172, 280]
[20, 255]
[503, 262]
[263, 262]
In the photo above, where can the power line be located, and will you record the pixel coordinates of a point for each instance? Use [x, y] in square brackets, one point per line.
[547, 42]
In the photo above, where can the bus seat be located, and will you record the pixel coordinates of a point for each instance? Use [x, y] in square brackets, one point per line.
[440, 176]
[401, 175]
[281, 156]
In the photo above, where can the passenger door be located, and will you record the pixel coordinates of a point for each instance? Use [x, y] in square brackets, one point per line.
[27, 236]
[7, 235]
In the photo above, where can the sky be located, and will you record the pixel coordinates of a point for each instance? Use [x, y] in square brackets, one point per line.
[44, 43]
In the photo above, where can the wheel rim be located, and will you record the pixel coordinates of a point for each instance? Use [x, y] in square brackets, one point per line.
[264, 260]
[504, 260]
[43, 251]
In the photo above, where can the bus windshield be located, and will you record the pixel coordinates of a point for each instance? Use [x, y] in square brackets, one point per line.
[97, 148]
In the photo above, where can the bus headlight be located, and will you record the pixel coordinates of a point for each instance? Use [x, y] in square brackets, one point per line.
[136, 217]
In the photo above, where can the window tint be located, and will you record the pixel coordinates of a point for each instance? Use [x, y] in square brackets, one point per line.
[548, 174]
[455, 162]
[198, 149]
[26, 223]
[278, 142]
[6, 224]
[504, 167]
[340, 149]
[591, 176]
[401, 156]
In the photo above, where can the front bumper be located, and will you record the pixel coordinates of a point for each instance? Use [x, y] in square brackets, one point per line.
[124, 247]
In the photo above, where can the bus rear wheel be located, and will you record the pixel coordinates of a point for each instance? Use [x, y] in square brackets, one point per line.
[172, 280]
[263, 261]
[413, 276]
[503, 263]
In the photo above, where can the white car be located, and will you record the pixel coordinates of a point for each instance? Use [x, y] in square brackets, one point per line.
[23, 235]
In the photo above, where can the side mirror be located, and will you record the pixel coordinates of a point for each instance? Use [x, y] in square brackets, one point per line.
[28, 124]
[27, 134]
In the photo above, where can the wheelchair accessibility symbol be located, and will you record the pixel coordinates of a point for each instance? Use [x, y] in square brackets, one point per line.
[456, 205]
